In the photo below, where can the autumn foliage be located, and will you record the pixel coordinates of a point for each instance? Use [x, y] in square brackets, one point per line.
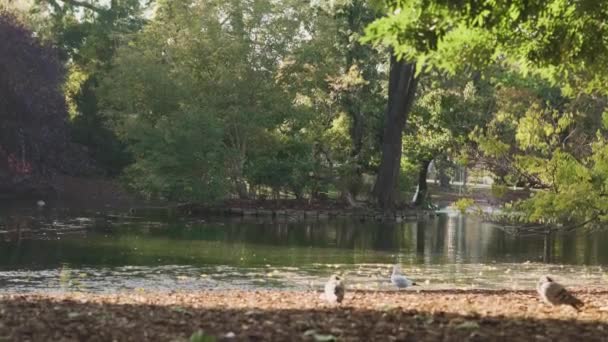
[34, 141]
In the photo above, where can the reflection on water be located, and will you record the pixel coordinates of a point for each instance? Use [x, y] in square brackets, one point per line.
[444, 252]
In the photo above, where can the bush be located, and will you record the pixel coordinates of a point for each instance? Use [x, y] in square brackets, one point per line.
[180, 158]
[284, 164]
[408, 176]
[499, 190]
[464, 204]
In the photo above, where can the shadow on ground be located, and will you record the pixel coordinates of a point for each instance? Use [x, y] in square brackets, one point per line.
[36, 318]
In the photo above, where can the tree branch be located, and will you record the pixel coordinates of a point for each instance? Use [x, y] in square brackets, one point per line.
[78, 3]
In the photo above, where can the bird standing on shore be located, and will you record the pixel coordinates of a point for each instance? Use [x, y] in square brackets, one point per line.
[399, 280]
[555, 294]
[334, 289]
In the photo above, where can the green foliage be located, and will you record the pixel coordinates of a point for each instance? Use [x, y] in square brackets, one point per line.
[440, 124]
[179, 157]
[573, 197]
[285, 164]
[87, 35]
[408, 176]
[195, 82]
[556, 39]
[341, 83]
[464, 204]
[209, 98]
[535, 136]
[200, 336]
[498, 190]
[541, 137]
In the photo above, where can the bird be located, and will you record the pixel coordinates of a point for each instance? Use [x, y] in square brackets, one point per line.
[399, 279]
[40, 203]
[555, 294]
[334, 289]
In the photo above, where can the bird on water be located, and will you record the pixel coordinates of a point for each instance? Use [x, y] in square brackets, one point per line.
[554, 293]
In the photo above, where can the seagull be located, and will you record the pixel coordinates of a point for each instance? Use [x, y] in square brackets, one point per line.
[555, 294]
[40, 203]
[334, 289]
[399, 279]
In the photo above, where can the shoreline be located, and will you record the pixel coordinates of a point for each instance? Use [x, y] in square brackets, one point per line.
[271, 315]
[362, 214]
[109, 195]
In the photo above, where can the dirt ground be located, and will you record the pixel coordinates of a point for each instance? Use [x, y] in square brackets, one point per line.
[291, 316]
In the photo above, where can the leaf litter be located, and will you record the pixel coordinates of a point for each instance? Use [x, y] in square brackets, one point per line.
[273, 315]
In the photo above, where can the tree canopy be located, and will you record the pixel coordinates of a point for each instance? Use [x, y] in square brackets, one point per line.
[203, 100]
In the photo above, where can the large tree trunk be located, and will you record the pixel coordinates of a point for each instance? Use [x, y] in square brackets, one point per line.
[420, 197]
[401, 91]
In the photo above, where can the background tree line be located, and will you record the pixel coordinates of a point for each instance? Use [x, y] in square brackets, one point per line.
[201, 100]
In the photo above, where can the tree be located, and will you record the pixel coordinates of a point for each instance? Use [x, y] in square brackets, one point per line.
[359, 89]
[341, 82]
[87, 34]
[554, 38]
[213, 59]
[401, 90]
[448, 110]
[540, 137]
[34, 138]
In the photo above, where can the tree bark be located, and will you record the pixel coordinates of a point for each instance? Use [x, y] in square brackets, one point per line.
[444, 179]
[441, 166]
[421, 194]
[401, 91]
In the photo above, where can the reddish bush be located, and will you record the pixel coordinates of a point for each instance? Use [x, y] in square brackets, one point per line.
[34, 139]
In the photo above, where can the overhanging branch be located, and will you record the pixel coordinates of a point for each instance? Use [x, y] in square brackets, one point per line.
[78, 3]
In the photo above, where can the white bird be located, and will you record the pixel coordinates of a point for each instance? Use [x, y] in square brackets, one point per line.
[555, 294]
[399, 279]
[40, 203]
[334, 289]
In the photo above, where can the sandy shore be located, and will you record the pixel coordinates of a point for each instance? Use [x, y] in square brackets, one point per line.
[288, 316]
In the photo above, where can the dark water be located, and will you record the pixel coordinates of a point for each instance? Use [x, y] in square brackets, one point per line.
[445, 252]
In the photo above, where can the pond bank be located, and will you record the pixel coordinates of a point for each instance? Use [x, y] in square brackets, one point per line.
[290, 315]
[261, 211]
[100, 195]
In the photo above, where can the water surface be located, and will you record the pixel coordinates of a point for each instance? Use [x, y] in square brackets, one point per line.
[450, 251]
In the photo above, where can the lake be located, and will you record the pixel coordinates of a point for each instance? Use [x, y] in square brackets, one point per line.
[143, 254]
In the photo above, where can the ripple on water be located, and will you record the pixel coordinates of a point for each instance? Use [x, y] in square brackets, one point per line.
[445, 253]
[363, 276]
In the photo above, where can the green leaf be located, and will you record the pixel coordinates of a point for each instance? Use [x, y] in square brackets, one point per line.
[200, 336]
